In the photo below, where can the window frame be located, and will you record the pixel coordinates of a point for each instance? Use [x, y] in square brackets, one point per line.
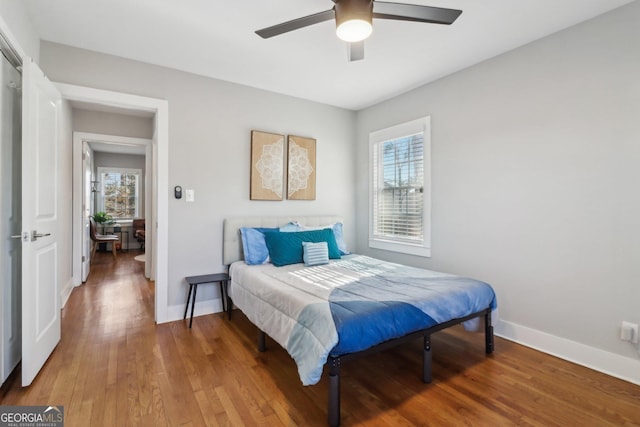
[131, 171]
[413, 127]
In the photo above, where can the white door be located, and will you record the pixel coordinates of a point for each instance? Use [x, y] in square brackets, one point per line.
[87, 192]
[40, 291]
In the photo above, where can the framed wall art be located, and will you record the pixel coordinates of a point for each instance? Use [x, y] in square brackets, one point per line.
[301, 169]
[267, 166]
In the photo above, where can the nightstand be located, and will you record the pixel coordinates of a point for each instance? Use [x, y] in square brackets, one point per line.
[194, 281]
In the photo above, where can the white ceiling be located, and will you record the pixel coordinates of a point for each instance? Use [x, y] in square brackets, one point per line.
[216, 38]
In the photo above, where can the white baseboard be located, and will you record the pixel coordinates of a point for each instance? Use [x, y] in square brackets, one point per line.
[176, 312]
[65, 292]
[618, 366]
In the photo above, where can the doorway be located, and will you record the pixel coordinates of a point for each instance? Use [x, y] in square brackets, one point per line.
[157, 232]
[113, 152]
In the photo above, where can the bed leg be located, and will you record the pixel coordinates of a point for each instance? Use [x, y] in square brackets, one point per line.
[334, 391]
[426, 360]
[262, 346]
[229, 303]
[488, 332]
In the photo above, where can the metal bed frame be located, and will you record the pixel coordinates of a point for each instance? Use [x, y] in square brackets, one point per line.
[335, 362]
[232, 251]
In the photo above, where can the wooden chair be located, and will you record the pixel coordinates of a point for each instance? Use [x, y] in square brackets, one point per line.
[98, 238]
[138, 226]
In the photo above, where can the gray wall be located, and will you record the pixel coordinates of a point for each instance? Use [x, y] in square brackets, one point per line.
[112, 124]
[535, 169]
[210, 123]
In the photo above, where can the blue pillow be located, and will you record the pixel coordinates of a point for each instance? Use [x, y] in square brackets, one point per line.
[315, 253]
[286, 248]
[253, 244]
[289, 227]
[337, 232]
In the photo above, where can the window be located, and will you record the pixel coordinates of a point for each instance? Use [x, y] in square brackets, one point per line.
[400, 189]
[120, 192]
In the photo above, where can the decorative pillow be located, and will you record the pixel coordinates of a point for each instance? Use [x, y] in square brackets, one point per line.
[290, 226]
[286, 248]
[337, 232]
[253, 244]
[315, 253]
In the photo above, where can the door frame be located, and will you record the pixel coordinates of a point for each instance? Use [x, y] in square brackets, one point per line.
[79, 140]
[159, 158]
[87, 186]
[10, 249]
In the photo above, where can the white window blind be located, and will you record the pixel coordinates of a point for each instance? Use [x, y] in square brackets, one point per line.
[398, 199]
[400, 188]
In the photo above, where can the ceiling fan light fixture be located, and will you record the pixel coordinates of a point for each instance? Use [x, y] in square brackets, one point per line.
[354, 30]
[353, 19]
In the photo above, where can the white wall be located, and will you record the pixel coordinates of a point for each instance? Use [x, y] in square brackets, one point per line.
[536, 166]
[210, 123]
[16, 24]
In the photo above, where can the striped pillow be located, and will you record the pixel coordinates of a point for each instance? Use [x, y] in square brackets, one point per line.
[315, 253]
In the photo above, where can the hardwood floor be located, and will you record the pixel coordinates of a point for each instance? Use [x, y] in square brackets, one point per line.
[115, 367]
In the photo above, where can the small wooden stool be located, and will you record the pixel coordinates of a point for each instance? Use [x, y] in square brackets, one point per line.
[194, 281]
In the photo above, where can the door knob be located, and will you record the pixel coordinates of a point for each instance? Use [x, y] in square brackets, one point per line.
[35, 235]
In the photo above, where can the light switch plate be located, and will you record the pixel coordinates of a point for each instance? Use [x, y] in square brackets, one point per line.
[629, 332]
[191, 195]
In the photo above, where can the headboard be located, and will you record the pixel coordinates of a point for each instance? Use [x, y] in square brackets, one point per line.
[232, 243]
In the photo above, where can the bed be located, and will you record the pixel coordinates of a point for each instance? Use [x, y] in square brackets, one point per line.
[345, 305]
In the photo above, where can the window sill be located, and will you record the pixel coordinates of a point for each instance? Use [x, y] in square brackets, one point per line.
[405, 248]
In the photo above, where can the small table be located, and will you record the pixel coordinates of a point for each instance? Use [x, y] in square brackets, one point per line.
[194, 281]
[118, 229]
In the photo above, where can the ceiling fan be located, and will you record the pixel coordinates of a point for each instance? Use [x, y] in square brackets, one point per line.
[354, 20]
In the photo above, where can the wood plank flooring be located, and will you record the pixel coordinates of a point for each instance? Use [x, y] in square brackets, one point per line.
[115, 367]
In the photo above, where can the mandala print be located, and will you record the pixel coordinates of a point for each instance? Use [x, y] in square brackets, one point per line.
[270, 166]
[299, 168]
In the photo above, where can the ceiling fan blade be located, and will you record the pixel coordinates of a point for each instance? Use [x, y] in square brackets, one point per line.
[296, 24]
[355, 51]
[413, 12]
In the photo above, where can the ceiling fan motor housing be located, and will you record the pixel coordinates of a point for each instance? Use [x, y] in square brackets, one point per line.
[347, 10]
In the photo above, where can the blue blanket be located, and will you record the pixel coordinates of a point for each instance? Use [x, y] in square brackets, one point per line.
[357, 302]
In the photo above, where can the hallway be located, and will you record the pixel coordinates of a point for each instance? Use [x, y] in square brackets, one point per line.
[102, 323]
